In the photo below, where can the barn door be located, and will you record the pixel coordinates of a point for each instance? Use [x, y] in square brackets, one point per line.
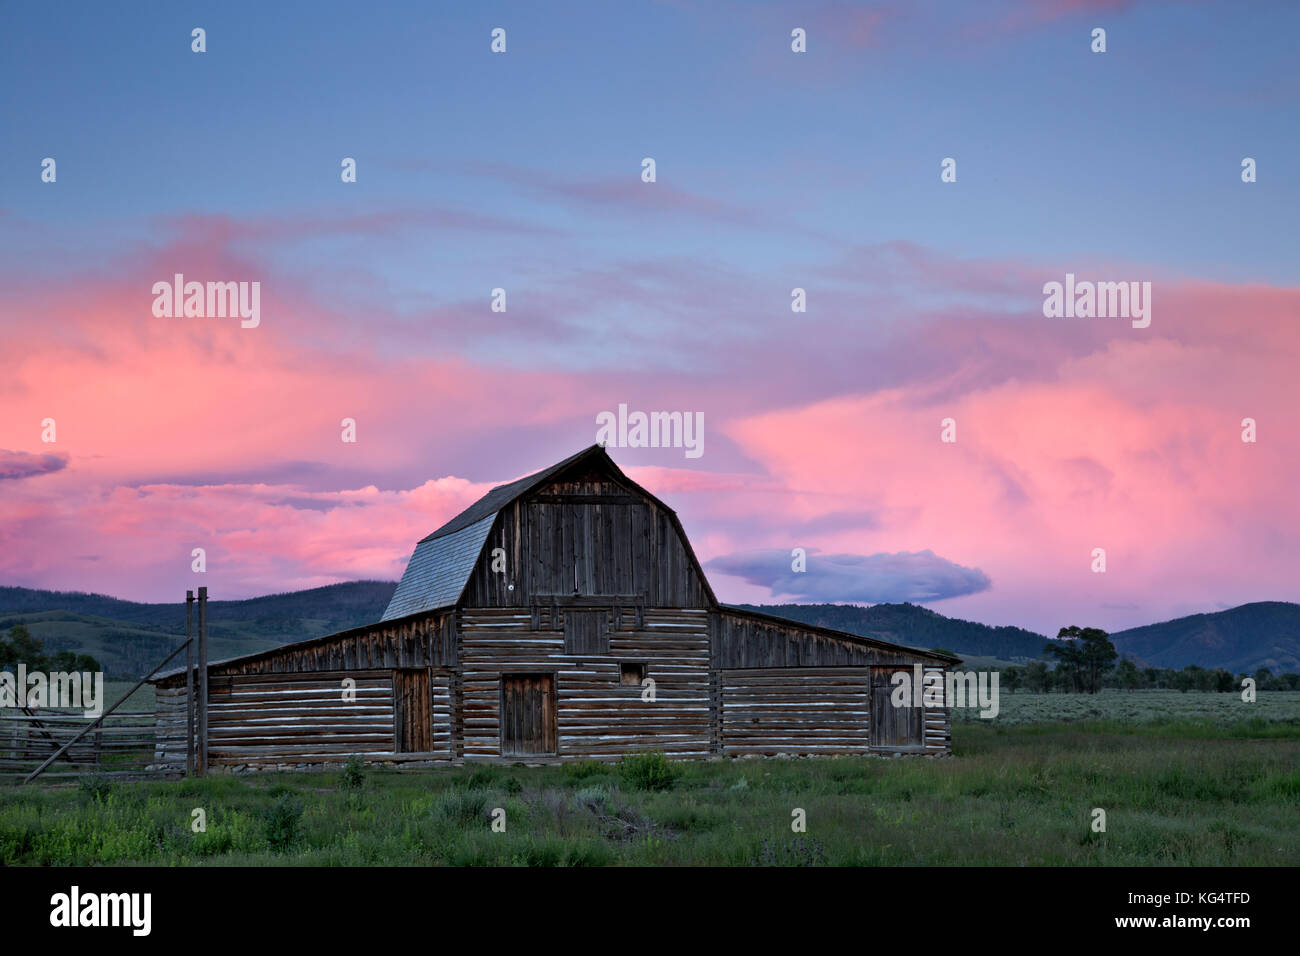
[893, 728]
[412, 712]
[527, 714]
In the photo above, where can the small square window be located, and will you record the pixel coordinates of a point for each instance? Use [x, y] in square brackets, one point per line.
[631, 675]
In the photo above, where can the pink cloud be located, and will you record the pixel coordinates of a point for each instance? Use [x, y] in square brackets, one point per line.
[257, 538]
[1134, 446]
[1073, 434]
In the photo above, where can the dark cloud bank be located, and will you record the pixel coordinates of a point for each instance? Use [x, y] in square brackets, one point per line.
[21, 464]
[918, 576]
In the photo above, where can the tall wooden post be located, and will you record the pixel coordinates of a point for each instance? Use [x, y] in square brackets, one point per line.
[203, 682]
[189, 683]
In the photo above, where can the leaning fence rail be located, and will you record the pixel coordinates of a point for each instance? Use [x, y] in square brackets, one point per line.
[119, 745]
[99, 721]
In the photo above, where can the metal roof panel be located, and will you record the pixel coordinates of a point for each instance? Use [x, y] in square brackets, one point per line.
[438, 570]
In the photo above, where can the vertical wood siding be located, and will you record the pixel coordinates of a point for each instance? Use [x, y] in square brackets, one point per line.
[528, 715]
[592, 534]
[427, 640]
[746, 642]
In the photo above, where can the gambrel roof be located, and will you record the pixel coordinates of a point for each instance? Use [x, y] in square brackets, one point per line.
[443, 561]
[438, 569]
[502, 495]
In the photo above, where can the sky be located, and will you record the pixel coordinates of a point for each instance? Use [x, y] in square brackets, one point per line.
[128, 438]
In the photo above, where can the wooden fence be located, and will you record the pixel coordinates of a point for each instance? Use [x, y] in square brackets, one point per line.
[122, 746]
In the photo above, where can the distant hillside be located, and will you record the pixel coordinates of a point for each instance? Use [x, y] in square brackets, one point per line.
[1241, 640]
[916, 626]
[129, 638]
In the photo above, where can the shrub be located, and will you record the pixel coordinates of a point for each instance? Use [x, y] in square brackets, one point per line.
[354, 773]
[513, 786]
[595, 799]
[463, 807]
[792, 851]
[97, 786]
[649, 771]
[282, 821]
[582, 769]
[213, 842]
[482, 778]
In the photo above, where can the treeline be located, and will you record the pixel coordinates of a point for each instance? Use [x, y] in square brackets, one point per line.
[21, 648]
[1039, 678]
[1086, 661]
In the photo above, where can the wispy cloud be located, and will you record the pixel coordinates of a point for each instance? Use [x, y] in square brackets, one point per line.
[306, 225]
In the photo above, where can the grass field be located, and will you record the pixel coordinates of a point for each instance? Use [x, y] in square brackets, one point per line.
[141, 700]
[1140, 707]
[1176, 789]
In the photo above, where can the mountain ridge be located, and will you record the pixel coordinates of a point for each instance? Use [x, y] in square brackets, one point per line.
[130, 637]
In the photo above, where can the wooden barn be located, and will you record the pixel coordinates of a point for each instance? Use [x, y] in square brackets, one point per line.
[530, 627]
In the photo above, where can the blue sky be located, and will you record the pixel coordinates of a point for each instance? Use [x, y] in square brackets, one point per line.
[1061, 152]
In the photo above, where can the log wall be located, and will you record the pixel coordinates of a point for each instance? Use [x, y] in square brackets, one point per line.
[279, 718]
[810, 710]
[783, 687]
[796, 710]
[596, 715]
[938, 723]
[269, 720]
[170, 726]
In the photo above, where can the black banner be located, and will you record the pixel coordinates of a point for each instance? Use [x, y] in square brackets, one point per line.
[337, 906]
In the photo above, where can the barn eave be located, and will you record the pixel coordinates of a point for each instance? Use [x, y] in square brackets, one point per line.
[834, 633]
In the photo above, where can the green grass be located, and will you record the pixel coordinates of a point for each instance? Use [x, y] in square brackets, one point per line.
[141, 700]
[1174, 793]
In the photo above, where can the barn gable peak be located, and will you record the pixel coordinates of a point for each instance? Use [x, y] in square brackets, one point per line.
[502, 495]
[441, 565]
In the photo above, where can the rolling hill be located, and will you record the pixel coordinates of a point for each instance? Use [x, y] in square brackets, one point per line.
[129, 638]
[916, 626]
[1241, 639]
